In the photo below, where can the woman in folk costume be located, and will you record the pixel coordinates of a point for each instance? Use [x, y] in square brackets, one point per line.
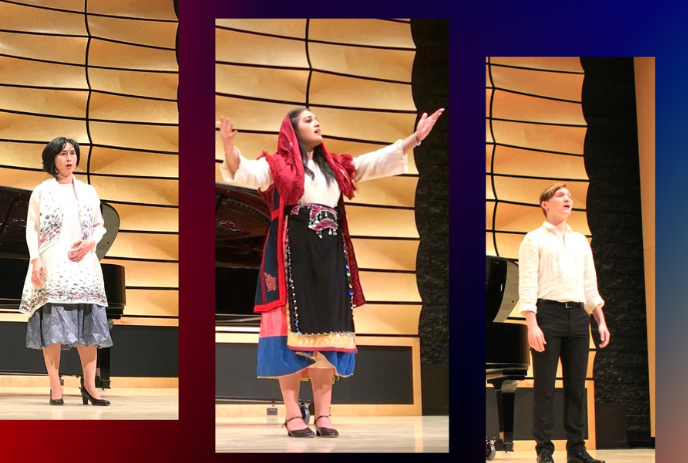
[308, 283]
[64, 291]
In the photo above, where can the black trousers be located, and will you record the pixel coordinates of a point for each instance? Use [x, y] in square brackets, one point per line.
[567, 334]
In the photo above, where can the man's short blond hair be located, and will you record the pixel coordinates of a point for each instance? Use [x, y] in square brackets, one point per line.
[548, 192]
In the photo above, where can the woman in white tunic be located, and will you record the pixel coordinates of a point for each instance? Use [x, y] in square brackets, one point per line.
[64, 291]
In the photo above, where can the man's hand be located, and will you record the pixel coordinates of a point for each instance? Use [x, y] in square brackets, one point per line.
[536, 338]
[604, 335]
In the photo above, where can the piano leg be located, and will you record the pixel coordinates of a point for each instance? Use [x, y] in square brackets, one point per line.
[506, 399]
[103, 369]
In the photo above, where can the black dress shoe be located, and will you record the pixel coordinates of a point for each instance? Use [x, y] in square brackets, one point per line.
[324, 432]
[86, 397]
[56, 401]
[305, 432]
[545, 456]
[582, 457]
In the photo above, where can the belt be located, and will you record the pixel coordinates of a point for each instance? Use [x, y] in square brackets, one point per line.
[564, 305]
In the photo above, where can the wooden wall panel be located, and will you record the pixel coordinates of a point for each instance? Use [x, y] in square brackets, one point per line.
[535, 133]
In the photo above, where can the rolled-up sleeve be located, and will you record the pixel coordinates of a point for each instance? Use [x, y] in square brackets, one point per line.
[528, 263]
[250, 174]
[385, 162]
[592, 295]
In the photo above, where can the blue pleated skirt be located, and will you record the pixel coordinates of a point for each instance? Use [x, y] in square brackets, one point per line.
[70, 325]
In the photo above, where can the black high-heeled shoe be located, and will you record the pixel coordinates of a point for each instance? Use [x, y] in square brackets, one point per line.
[55, 401]
[324, 432]
[85, 396]
[305, 432]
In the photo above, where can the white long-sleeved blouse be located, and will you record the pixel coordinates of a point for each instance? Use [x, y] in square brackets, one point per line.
[387, 161]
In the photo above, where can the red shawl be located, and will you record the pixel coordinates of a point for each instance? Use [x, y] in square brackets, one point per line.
[286, 168]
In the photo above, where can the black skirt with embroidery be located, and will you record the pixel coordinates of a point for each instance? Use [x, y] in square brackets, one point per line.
[320, 296]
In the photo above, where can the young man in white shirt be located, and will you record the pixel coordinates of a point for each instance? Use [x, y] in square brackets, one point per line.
[557, 280]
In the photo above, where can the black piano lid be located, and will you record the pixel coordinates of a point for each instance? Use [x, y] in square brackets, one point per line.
[241, 224]
[507, 345]
[501, 288]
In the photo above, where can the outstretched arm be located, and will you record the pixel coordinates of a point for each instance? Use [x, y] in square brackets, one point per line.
[391, 160]
[423, 129]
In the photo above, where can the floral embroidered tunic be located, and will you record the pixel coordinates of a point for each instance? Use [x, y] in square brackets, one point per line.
[50, 234]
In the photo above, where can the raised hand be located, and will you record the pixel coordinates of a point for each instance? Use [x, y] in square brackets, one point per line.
[227, 131]
[426, 123]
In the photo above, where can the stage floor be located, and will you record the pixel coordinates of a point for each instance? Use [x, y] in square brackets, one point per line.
[31, 403]
[387, 434]
[610, 456]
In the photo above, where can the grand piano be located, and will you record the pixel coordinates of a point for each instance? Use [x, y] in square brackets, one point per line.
[242, 220]
[507, 352]
[14, 263]
[241, 224]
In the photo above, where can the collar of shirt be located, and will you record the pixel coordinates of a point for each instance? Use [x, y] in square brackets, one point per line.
[553, 229]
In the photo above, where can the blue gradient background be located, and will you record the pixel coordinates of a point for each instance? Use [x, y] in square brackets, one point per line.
[476, 31]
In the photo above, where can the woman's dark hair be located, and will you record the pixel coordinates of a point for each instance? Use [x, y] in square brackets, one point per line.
[318, 154]
[54, 148]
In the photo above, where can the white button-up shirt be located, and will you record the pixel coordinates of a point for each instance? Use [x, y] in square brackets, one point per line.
[556, 267]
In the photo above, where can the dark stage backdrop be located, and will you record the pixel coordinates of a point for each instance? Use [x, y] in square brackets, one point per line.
[431, 91]
[615, 220]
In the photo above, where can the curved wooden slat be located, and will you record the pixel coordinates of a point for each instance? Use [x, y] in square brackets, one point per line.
[137, 190]
[515, 161]
[24, 18]
[397, 287]
[45, 128]
[365, 62]
[382, 319]
[370, 32]
[139, 245]
[132, 109]
[157, 34]
[238, 47]
[517, 107]
[136, 136]
[137, 83]
[382, 254]
[541, 137]
[121, 56]
[295, 28]
[148, 274]
[351, 92]
[17, 71]
[379, 222]
[272, 84]
[135, 163]
[67, 50]
[549, 84]
[134, 9]
[66, 103]
[147, 218]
